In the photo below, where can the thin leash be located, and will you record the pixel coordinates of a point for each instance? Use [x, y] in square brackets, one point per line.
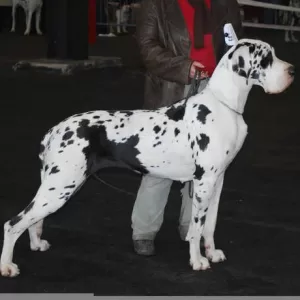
[195, 84]
[193, 90]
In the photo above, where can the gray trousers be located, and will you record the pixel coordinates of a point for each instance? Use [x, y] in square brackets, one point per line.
[148, 211]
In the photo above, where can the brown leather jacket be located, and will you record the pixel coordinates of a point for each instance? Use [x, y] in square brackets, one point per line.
[164, 45]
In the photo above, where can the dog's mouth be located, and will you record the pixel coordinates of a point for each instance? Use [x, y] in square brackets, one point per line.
[289, 81]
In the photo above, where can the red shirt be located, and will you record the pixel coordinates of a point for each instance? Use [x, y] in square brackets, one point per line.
[204, 55]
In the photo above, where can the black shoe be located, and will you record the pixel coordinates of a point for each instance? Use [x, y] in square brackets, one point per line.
[144, 247]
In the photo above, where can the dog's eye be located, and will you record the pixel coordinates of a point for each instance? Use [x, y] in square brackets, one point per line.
[267, 60]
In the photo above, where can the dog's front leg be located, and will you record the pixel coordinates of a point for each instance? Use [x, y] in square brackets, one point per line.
[28, 21]
[211, 252]
[38, 20]
[202, 193]
[13, 15]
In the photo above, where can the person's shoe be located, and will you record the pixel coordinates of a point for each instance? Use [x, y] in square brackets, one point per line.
[144, 247]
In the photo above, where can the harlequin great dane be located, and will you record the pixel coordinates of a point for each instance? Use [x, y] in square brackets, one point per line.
[30, 7]
[187, 141]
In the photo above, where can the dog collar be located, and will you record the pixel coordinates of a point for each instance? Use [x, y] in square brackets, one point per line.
[235, 111]
[230, 108]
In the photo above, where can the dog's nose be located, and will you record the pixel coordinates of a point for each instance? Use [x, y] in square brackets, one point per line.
[291, 71]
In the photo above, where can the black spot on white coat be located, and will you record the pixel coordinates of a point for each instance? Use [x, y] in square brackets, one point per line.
[203, 112]
[29, 207]
[202, 220]
[176, 113]
[203, 141]
[267, 60]
[241, 63]
[15, 220]
[101, 149]
[199, 171]
[54, 170]
[156, 129]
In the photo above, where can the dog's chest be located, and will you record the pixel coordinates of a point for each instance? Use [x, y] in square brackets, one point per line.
[236, 145]
[235, 140]
[26, 4]
[219, 141]
[23, 3]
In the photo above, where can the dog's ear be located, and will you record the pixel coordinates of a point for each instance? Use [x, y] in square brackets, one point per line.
[246, 48]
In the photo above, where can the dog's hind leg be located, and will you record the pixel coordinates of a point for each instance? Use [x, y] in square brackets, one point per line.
[211, 252]
[38, 20]
[287, 36]
[58, 185]
[118, 20]
[36, 230]
[35, 233]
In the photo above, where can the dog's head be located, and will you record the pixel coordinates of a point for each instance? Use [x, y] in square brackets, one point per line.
[253, 62]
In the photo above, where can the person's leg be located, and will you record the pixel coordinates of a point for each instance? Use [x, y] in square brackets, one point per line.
[148, 212]
[187, 190]
[186, 209]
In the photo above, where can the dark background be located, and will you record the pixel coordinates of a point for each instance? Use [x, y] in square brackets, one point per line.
[258, 225]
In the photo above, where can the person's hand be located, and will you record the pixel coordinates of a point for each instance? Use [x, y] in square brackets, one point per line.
[197, 65]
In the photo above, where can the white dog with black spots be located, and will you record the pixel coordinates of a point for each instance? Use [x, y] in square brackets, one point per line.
[188, 141]
[30, 7]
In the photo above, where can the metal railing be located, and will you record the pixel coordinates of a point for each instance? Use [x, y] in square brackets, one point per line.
[118, 18]
[270, 6]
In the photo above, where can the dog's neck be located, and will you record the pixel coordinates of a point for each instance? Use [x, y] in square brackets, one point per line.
[226, 90]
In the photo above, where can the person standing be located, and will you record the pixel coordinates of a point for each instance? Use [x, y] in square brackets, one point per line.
[175, 37]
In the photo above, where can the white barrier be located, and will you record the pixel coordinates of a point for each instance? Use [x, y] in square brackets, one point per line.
[270, 26]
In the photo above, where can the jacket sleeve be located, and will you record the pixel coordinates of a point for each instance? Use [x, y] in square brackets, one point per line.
[235, 18]
[158, 59]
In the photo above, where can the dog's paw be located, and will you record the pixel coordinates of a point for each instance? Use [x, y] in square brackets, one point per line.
[215, 255]
[39, 32]
[43, 245]
[201, 264]
[13, 30]
[9, 270]
[26, 32]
